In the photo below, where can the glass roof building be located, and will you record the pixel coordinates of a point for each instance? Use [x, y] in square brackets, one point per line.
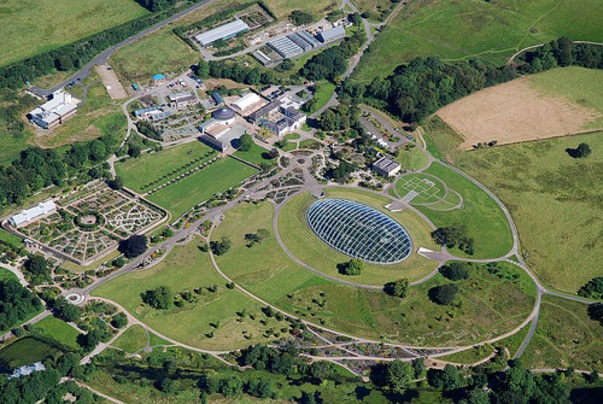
[359, 231]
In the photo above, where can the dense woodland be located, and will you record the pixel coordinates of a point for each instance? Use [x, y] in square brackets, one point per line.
[421, 87]
[16, 303]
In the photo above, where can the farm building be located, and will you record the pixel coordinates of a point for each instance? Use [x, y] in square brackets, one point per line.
[26, 216]
[332, 34]
[386, 167]
[181, 99]
[57, 111]
[225, 31]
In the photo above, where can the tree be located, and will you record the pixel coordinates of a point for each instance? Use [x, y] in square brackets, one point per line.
[120, 320]
[273, 153]
[202, 69]
[583, 150]
[133, 246]
[220, 247]
[352, 267]
[37, 265]
[16, 303]
[444, 294]
[447, 379]
[592, 289]
[455, 271]
[419, 368]
[454, 236]
[595, 312]
[160, 298]
[245, 142]
[397, 288]
[66, 311]
[399, 376]
[299, 17]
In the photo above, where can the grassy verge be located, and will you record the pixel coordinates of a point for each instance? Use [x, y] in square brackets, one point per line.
[306, 246]
[565, 336]
[57, 329]
[201, 185]
[211, 322]
[10, 238]
[132, 340]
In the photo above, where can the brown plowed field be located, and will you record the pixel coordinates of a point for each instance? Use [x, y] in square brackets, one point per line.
[514, 112]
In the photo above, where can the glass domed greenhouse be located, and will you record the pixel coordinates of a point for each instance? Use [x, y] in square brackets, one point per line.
[359, 231]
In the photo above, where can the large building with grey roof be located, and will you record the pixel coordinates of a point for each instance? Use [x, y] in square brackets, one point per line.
[225, 31]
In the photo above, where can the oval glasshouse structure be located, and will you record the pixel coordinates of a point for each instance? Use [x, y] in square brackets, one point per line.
[359, 231]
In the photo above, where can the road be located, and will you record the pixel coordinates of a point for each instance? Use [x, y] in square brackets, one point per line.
[101, 58]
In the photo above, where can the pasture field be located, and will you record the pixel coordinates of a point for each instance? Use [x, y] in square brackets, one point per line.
[565, 336]
[212, 322]
[160, 52]
[98, 116]
[305, 245]
[490, 305]
[31, 27]
[441, 140]
[486, 222]
[377, 10]
[132, 340]
[318, 8]
[137, 172]
[24, 351]
[494, 31]
[555, 201]
[554, 103]
[58, 329]
[201, 185]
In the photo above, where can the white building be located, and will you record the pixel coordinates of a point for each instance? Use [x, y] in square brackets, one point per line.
[59, 109]
[182, 99]
[225, 31]
[26, 216]
[246, 102]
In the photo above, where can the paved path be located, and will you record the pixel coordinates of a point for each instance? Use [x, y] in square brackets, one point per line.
[101, 58]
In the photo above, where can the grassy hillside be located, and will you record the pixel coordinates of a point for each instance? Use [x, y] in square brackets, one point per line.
[460, 29]
[30, 27]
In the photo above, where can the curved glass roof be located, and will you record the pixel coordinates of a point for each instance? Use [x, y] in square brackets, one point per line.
[359, 231]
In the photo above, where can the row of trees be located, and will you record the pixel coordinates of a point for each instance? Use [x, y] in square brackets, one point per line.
[247, 75]
[424, 85]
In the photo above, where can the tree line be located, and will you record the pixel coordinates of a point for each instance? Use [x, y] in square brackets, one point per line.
[421, 87]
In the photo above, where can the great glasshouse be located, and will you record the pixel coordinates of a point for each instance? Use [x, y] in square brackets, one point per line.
[359, 231]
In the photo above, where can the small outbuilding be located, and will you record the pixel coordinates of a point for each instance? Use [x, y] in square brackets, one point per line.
[386, 167]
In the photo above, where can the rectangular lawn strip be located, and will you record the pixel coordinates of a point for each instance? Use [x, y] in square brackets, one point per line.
[255, 155]
[187, 268]
[456, 30]
[32, 27]
[554, 200]
[132, 340]
[486, 222]
[565, 336]
[137, 172]
[10, 238]
[58, 329]
[310, 249]
[200, 186]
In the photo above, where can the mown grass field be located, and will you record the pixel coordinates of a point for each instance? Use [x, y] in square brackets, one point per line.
[61, 331]
[565, 336]
[490, 305]
[412, 158]
[201, 185]
[6, 275]
[459, 29]
[132, 340]
[187, 268]
[256, 155]
[486, 222]
[323, 95]
[31, 27]
[426, 192]
[304, 244]
[555, 201]
[150, 167]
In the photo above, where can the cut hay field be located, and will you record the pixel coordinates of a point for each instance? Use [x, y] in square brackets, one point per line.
[565, 336]
[184, 269]
[140, 171]
[486, 222]
[30, 27]
[202, 185]
[555, 201]
[306, 246]
[490, 306]
[461, 29]
[554, 103]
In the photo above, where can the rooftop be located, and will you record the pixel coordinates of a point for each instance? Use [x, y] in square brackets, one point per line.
[223, 31]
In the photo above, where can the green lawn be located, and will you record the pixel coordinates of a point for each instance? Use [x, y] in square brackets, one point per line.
[187, 268]
[486, 222]
[565, 336]
[461, 29]
[132, 340]
[160, 52]
[310, 144]
[323, 95]
[6, 275]
[201, 185]
[31, 27]
[138, 172]
[412, 158]
[10, 238]
[490, 306]
[256, 155]
[24, 351]
[427, 193]
[555, 201]
[306, 246]
[61, 331]
[580, 86]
